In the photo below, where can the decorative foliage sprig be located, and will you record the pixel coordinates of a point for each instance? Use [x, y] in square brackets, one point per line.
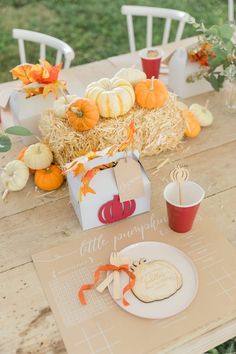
[5, 141]
[221, 59]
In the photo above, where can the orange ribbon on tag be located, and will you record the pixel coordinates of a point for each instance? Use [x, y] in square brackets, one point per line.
[106, 268]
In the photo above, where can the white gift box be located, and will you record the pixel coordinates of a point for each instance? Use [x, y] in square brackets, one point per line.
[104, 184]
[27, 112]
[180, 68]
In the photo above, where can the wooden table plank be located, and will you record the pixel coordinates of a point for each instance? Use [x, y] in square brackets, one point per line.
[30, 224]
[52, 223]
[21, 298]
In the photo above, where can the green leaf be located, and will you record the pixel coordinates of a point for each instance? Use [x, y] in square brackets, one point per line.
[213, 351]
[226, 31]
[18, 130]
[5, 143]
[229, 47]
[219, 59]
[214, 30]
[216, 81]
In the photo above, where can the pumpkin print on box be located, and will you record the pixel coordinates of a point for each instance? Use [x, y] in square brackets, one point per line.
[151, 93]
[113, 97]
[114, 210]
[82, 114]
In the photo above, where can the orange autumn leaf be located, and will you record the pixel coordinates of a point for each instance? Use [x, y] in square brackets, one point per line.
[78, 169]
[33, 91]
[85, 180]
[45, 73]
[54, 87]
[23, 73]
[130, 139]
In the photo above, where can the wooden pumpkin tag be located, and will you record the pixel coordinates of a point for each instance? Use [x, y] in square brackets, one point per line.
[129, 181]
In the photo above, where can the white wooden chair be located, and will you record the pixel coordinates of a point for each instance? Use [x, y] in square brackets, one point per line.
[231, 10]
[63, 49]
[151, 12]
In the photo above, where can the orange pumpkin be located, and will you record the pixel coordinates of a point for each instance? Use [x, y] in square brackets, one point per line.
[82, 114]
[193, 127]
[151, 93]
[21, 158]
[49, 178]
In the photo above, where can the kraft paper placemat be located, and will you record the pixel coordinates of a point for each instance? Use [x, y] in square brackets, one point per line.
[101, 326]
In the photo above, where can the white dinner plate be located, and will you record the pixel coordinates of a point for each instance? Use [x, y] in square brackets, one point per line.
[175, 303]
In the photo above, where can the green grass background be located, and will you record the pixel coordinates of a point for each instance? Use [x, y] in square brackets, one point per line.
[95, 29]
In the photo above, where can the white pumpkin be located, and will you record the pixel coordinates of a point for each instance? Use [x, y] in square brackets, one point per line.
[38, 156]
[14, 175]
[61, 104]
[203, 115]
[131, 74]
[113, 97]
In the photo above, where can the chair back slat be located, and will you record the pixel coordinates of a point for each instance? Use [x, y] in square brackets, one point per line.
[149, 32]
[62, 48]
[180, 31]
[154, 12]
[231, 10]
[59, 57]
[21, 46]
[166, 33]
[130, 27]
[42, 53]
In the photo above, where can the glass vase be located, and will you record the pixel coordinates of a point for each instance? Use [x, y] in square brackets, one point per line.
[230, 96]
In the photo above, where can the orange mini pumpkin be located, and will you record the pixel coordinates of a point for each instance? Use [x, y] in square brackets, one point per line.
[193, 127]
[151, 93]
[82, 114]
[49, 178]
[21, 158]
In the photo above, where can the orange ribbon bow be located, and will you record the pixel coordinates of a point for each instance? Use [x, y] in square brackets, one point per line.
[105, 268]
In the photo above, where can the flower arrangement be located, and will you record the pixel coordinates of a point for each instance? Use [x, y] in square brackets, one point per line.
[215, 53]
[39, 78]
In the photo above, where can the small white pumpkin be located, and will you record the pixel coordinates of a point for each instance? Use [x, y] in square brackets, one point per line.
[113, 97]
[203, 115]
[61, 104]
[14, 175]
[131, 74]
[38, 156]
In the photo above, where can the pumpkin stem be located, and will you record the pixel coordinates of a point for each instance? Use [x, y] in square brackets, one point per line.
[48, 170]
[152, 83]
[77, 112]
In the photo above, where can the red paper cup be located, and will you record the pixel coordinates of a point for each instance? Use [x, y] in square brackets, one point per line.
[151, 66]
[181, 217]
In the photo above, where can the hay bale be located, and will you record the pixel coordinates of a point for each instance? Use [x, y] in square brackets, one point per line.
[156, 130]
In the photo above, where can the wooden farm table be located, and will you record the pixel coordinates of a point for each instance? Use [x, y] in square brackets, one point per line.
[31, 222]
